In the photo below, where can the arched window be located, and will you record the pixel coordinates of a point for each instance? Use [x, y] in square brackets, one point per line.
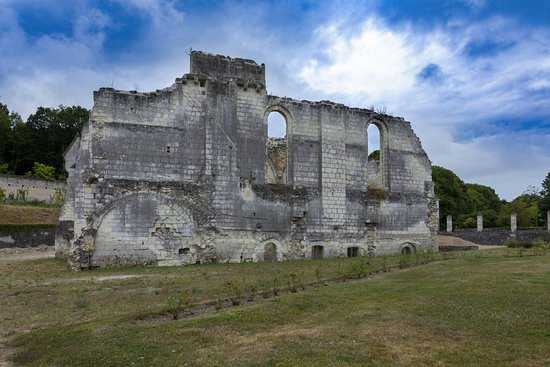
[276, 125]
[276, 149]
[373, 143]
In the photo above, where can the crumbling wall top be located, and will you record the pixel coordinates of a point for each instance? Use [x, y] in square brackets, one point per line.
[223, 67]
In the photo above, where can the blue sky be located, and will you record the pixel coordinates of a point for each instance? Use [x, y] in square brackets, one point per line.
[472, 76]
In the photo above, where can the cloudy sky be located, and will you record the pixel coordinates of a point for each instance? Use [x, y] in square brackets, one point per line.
[472, 76]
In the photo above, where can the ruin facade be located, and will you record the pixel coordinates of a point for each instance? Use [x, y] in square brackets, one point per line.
[187, 174]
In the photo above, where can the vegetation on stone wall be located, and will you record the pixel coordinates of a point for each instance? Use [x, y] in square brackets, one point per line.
[42, 139]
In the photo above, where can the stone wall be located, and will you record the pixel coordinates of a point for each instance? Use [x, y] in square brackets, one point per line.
[491, 236]
[187, 174]
[26, 235]
[34, 188]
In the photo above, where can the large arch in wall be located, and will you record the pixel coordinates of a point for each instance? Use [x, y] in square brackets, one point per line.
[144, 228]
[272, 169]
[381, 180]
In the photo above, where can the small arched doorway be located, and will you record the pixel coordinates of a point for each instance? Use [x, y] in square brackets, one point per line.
[407, 249]
[270, 252]
[317, 252]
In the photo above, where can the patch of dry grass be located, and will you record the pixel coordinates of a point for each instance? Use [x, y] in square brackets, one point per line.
[18, 214]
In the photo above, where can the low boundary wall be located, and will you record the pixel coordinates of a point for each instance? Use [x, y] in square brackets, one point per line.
[35, 188]
[16, 235]
[490, 236]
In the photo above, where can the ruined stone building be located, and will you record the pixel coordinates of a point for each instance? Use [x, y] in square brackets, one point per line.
[187, 175]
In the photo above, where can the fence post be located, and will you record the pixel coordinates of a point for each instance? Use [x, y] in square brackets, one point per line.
[449, 223]
[480, 222]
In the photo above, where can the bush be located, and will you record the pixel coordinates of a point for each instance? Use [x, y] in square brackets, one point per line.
[514, 243]
[178, 303]
[4, 168]
[541, 242]
[21, 195]
[43, 171]
[356, 269]
[404, 261]
[59, 196]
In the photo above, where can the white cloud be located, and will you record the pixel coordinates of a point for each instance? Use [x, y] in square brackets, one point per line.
[164, 13]
[378, 65]
[371, 63]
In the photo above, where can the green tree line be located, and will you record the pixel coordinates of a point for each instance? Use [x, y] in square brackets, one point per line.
[464, 201]
[40, 141]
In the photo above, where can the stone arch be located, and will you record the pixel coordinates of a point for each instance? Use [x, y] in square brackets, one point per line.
[270, 252]
[144, 228]
[278, 150]
[407, 248]
[377, 171]
[273, 247]
[283, 111]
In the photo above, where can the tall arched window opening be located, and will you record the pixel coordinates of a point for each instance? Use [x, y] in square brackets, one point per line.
[276, 149]
[276, 125]
[373, 143]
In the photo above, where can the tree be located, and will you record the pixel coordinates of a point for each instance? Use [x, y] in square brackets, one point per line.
[51, 130]
[8, 120]
[526, 209]
[374, 155]
[451, 192]
[544, 201]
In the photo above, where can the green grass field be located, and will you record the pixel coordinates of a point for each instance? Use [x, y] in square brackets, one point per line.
[480, 308]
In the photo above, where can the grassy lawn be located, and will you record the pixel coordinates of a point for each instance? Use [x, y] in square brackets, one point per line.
[27, 214]
[475, 308]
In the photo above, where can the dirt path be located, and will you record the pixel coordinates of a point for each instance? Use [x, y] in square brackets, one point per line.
[455, 241]
[23, 254]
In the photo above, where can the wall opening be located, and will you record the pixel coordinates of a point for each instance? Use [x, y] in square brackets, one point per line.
[270, 252]
[184, 251]
[373, 143]
[353, 251]
[408, 249]
[317, 252]
[276, 149]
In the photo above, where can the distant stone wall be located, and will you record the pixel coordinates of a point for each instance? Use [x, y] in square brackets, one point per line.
[36, 189]
[27, 236]
[497, 236]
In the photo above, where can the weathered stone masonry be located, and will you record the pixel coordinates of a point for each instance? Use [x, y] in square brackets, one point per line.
[187, 174]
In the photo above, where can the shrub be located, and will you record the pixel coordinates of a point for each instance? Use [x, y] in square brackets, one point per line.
[21, 195]
[233, 292]
[540, 242]
[2, 195]
[81, 303]
[43, 171]
[356, 269]
[178, 303]
[4, 168]
[515, 243]
[59, 196]
[404, 261]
